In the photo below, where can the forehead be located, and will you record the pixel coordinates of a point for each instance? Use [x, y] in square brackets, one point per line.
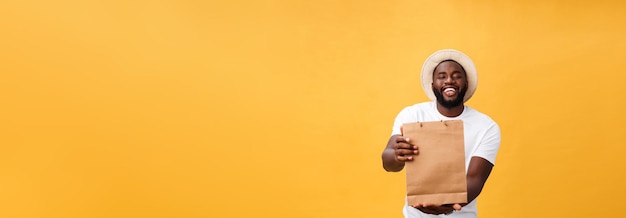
[449, 66]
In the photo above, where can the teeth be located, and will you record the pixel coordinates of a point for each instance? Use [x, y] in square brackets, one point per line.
[449, 90]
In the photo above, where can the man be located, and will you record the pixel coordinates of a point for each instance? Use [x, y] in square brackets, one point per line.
[449, 79]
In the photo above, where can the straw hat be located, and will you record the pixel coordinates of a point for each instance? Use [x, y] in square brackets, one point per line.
[449, 54]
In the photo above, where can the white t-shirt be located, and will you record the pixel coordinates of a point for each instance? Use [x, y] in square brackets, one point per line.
[481, 135]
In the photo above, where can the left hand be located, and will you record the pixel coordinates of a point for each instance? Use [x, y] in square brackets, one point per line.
[437, 209]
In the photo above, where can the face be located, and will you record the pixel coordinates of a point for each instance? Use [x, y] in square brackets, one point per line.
[449, 84]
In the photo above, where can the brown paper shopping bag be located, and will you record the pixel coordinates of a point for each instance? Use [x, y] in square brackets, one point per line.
[437, 174]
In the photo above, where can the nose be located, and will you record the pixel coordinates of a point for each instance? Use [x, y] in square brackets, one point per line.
[449, 80]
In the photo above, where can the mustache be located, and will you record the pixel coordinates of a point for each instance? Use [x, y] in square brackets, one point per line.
[451, 103]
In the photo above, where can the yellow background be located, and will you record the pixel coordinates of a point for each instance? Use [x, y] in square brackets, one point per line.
[282, 108]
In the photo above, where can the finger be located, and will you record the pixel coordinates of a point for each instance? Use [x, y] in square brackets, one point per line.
[404, 158]
[400, 139]
[421, 205]
[403, 145]
[402, 151]
[457, 207]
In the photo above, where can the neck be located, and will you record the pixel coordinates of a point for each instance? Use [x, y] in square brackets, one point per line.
[450, 112]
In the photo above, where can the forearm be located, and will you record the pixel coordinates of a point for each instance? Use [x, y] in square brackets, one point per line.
[477, 175]
[474, 187]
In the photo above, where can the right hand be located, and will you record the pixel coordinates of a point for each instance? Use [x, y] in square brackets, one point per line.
[437, 209]
[404, 150]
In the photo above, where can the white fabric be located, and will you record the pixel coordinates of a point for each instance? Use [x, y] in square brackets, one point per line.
[481, 135]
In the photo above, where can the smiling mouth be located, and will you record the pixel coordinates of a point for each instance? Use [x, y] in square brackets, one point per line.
[449, 91]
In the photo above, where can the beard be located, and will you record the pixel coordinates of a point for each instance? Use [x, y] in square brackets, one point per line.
[451, 103]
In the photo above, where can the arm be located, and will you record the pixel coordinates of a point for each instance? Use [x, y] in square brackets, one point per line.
[477, 174]
[398, 151]
[481, 164]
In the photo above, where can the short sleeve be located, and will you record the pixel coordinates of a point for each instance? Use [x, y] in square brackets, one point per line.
[407, 115]
[490, 144]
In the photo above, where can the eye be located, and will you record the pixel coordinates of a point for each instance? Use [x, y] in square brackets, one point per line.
[457, 76]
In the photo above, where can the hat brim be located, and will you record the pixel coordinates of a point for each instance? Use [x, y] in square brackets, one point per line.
[449, 54]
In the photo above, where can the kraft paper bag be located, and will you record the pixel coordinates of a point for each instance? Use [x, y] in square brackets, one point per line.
[437, 174]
